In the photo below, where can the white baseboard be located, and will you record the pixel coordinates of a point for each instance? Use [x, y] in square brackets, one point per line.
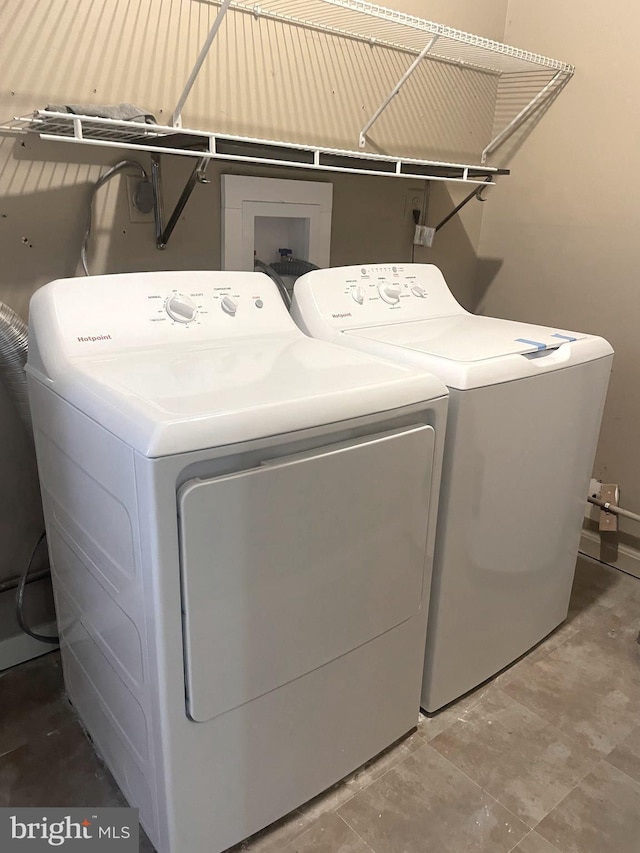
[21, 647]
[627, 560]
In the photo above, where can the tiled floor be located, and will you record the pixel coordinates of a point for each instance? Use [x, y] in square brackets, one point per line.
[544, 759]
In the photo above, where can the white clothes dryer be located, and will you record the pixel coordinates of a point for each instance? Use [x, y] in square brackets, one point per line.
[241, 524]
[525, 408]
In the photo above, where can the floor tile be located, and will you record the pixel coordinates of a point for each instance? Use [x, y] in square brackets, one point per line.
[534, 843]
[425, 803]
[578, 619]
[431, 725]
[588, 618]
[602, 813]
[58, 769]
[32, 700]
[330, 834]
[595, 583]
[276, 837]
[516, 756]
[598, 592]
[342, 792]
[626, 756]
[589, 687]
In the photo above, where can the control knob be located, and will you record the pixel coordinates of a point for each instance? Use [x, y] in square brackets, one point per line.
[390, 293]
[180, 308]
[419, 291]
[228, 305]
[358, 295]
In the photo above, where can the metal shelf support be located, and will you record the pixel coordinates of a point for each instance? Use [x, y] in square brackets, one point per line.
[176, 118]
[558, 80]
[374, 118]
[197, 176]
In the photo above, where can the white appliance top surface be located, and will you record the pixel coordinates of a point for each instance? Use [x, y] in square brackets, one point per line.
[179, 361]
[407, 313]
[468, 338]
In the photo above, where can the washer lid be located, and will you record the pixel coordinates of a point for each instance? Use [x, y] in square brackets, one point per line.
[167, 385]
[467, 351]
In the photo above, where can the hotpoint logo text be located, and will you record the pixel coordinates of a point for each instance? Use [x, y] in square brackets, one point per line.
[91, 338]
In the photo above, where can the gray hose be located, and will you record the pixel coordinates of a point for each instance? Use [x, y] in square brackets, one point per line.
[14, 342]
[110, 173]
[273, 275]
[294, 266]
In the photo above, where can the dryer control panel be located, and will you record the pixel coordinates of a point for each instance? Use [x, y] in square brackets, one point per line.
[112, 313]
[353, 297]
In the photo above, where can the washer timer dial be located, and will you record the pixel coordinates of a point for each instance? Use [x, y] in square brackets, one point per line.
[181, 308]
[390, 293]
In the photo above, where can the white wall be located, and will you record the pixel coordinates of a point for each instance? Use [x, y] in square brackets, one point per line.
[559, 241]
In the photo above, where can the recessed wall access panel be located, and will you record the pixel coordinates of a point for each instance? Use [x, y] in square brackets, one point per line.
[262, 215]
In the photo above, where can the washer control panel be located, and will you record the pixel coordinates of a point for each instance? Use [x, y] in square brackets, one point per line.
[352, 297]
[165, 307]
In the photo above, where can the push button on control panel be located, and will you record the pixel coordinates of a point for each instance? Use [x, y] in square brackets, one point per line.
[228, 305]
[181, 309]
[390, 293]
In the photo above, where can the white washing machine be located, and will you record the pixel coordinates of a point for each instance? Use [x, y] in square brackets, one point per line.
[241, 525]
[524, 414]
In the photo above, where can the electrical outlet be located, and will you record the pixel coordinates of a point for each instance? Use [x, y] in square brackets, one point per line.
[135, 214]
[413, 200]
[423, 236]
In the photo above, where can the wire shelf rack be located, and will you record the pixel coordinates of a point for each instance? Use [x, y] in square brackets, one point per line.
[357, 19]
[164, 139]
[366, 22]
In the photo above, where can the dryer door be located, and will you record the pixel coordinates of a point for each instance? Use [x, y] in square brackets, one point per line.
[290, 565]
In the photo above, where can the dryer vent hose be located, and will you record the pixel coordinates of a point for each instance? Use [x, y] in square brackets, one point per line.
[273, 275]
[14, 342]
[294, 266]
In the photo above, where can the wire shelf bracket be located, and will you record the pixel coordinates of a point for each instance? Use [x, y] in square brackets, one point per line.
[559, 79]
[396, 89]
[176, 118]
